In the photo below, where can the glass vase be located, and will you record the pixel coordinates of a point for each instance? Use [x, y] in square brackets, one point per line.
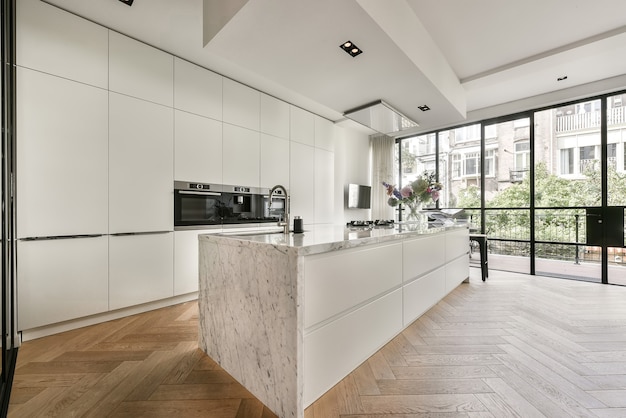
[412, 212]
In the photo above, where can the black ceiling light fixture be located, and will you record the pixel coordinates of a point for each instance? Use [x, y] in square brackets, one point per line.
[128, 2]
[423, 108]
[351, 48]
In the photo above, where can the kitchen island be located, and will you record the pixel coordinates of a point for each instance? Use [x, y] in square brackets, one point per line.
[290, 315]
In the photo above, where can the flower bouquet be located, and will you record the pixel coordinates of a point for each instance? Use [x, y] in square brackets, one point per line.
[421, 190]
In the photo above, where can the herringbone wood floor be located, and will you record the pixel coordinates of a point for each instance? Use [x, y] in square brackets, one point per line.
[515, 345]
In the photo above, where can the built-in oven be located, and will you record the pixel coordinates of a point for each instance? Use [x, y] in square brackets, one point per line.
[205, 205]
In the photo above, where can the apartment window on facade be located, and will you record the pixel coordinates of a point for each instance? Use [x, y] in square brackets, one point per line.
[521, 161]
[468, 164]
[588, 160]
[567, 161]
[467, 133]
[611, 155]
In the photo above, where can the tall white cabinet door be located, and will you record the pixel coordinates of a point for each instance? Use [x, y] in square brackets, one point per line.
[198, 148]
[324, 186]
[324, 134]
[241, 156]
[302, 126]
[274, 161]
[139, 70]
[186, 260]
[141, 269]
[62, 156]
[141, 173]
[242, 105]
[274, 116]
[56, 42]
[197, 90]
[61, 279]
[302, 182]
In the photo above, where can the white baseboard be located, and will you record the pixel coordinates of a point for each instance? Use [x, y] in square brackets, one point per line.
[34, 333]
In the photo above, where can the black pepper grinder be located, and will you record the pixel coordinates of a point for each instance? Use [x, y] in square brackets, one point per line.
[297, 225]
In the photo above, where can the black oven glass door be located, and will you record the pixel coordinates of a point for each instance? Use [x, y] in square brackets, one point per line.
[196, 208]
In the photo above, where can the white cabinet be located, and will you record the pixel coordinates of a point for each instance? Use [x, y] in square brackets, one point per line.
[242, 105]
[59, 43]
[302, 182]
[421, 255]
[422, 294]
[336, 282]
[61, 279]
[241, 156]
[141, 166]
[197, 90]
[198, 148]
[333, 351]
[324, 186]
[324, 134]
[274, 161]
[274, 117]
[186, 260]
[456, 271]
[139, 70]
[457, 243]
[141, 269]
[302, 126]
[62, 156]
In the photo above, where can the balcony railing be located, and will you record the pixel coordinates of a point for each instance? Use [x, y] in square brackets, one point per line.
[517, 176]
[615, 116]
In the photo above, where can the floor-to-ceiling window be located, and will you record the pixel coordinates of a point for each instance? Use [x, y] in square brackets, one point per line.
[547, 186]
[616, 182]
[8, 339]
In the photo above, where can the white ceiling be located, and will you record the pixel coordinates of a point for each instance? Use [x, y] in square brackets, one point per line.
[462, 58]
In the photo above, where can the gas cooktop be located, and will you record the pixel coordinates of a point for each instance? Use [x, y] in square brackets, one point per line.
[379, 223]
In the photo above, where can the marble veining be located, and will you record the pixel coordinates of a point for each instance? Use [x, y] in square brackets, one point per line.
[249, 298]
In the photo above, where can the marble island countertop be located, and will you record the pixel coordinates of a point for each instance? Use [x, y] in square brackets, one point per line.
[290, 315]
[325, 238]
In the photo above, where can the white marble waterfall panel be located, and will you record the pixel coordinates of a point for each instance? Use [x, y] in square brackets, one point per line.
[249, 320]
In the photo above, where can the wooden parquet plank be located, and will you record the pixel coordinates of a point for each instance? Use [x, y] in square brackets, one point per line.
[530, 392]
[364, 379]
[432, 386]
[226, 408]
[411, 404]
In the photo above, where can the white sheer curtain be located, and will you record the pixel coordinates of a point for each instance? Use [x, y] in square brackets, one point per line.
[381, 150]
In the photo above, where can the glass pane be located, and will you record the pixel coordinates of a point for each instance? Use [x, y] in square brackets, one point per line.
[617, 266]
[567, 156]
[568, 261]
[459, 167]
[509, 256]
[561, 225]
[616, 151]
[508, 224]
[507, 164]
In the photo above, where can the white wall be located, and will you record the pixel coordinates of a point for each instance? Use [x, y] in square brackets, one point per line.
[352, 165]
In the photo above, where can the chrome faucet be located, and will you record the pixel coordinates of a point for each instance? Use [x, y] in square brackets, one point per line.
[285, 223]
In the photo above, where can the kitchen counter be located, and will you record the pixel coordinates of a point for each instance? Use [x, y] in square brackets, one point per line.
[326, 238]
[289, 316]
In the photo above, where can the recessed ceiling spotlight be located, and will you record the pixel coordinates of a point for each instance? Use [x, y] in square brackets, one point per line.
[562, 78]
[128, 2]
[423, 108]
[350, 48]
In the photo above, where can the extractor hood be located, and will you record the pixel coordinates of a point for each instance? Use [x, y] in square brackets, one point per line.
[380, 117]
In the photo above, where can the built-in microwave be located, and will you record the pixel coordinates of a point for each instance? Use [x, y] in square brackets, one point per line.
[205, 205]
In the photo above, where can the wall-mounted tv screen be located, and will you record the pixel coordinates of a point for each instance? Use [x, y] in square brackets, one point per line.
[359, 196]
